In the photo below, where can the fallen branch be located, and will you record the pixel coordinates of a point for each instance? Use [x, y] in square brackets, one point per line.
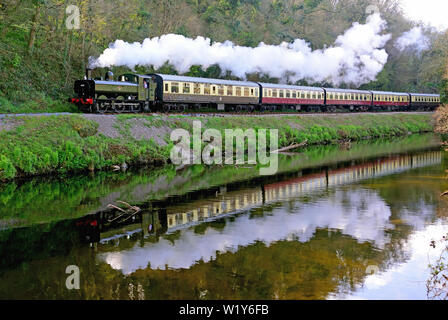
[130, 212]
[115, 207]
[291, 147]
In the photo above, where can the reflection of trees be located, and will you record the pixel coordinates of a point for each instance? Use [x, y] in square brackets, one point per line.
[437, 284]
[329, 262]
[285, 270]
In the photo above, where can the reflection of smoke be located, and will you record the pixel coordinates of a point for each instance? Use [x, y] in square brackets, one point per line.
[356, 57]
[413, 39]
[342, 211]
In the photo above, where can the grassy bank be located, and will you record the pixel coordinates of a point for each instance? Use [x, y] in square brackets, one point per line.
[38, 105]
[61, 144]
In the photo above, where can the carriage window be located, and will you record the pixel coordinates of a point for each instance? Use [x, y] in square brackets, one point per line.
[246, 92]
[186, 88]
[288, 94]
[174, 87]
[265, 92]
[294, 95]
[166, 87]
[221, 90]
[274, 93]
[282, 94]
[256, 92]
[238, 91]
[206, 89]
[197, 88]
[213, 89]
[251, 92]
[230, 90]
[302, 95]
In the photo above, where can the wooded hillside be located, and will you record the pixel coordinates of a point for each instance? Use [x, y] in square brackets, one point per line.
[40, 57]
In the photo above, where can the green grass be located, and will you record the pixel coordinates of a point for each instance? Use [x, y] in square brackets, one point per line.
[61, 144]
[38, 105]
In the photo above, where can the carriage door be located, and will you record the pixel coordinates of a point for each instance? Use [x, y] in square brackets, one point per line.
[149, 86]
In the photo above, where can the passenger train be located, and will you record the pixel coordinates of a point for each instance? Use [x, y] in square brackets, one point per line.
[160, 92]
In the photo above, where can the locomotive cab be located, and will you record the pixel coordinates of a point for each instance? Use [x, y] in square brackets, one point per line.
[128, 93]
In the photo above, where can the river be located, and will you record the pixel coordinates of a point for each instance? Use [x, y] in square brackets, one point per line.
[334, 223]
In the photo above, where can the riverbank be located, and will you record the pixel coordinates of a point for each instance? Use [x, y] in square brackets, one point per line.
[73, 143]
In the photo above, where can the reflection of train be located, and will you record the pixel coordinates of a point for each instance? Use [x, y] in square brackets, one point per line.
[238, 201]
[157, 92]
[155, 222]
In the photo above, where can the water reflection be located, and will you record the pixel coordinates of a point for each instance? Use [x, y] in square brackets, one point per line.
[52, 199]
[359, 213]
[304, 234]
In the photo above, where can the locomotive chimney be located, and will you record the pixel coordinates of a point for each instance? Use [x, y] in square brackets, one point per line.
[88, 73]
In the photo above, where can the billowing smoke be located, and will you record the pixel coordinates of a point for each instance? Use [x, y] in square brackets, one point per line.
[356, 57]
[413, 39]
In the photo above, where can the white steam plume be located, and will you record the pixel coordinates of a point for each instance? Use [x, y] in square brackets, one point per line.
[356, 57]
[413, 39]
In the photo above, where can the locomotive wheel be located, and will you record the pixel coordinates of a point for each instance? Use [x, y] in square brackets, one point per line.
[136, 108]
[119, 107]
[166, 108]
[145, 107]
[100, 107]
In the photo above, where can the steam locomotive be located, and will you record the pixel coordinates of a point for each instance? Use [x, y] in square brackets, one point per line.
[161, 92]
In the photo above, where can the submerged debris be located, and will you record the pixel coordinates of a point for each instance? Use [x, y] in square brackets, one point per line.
[126, 213]
[345, 144]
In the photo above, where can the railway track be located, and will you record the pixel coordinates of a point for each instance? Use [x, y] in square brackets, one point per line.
[218, 114]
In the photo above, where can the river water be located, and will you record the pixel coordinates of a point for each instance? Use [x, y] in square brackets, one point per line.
[332, 224]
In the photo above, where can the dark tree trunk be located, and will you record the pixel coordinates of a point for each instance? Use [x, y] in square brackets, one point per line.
[33, 29]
